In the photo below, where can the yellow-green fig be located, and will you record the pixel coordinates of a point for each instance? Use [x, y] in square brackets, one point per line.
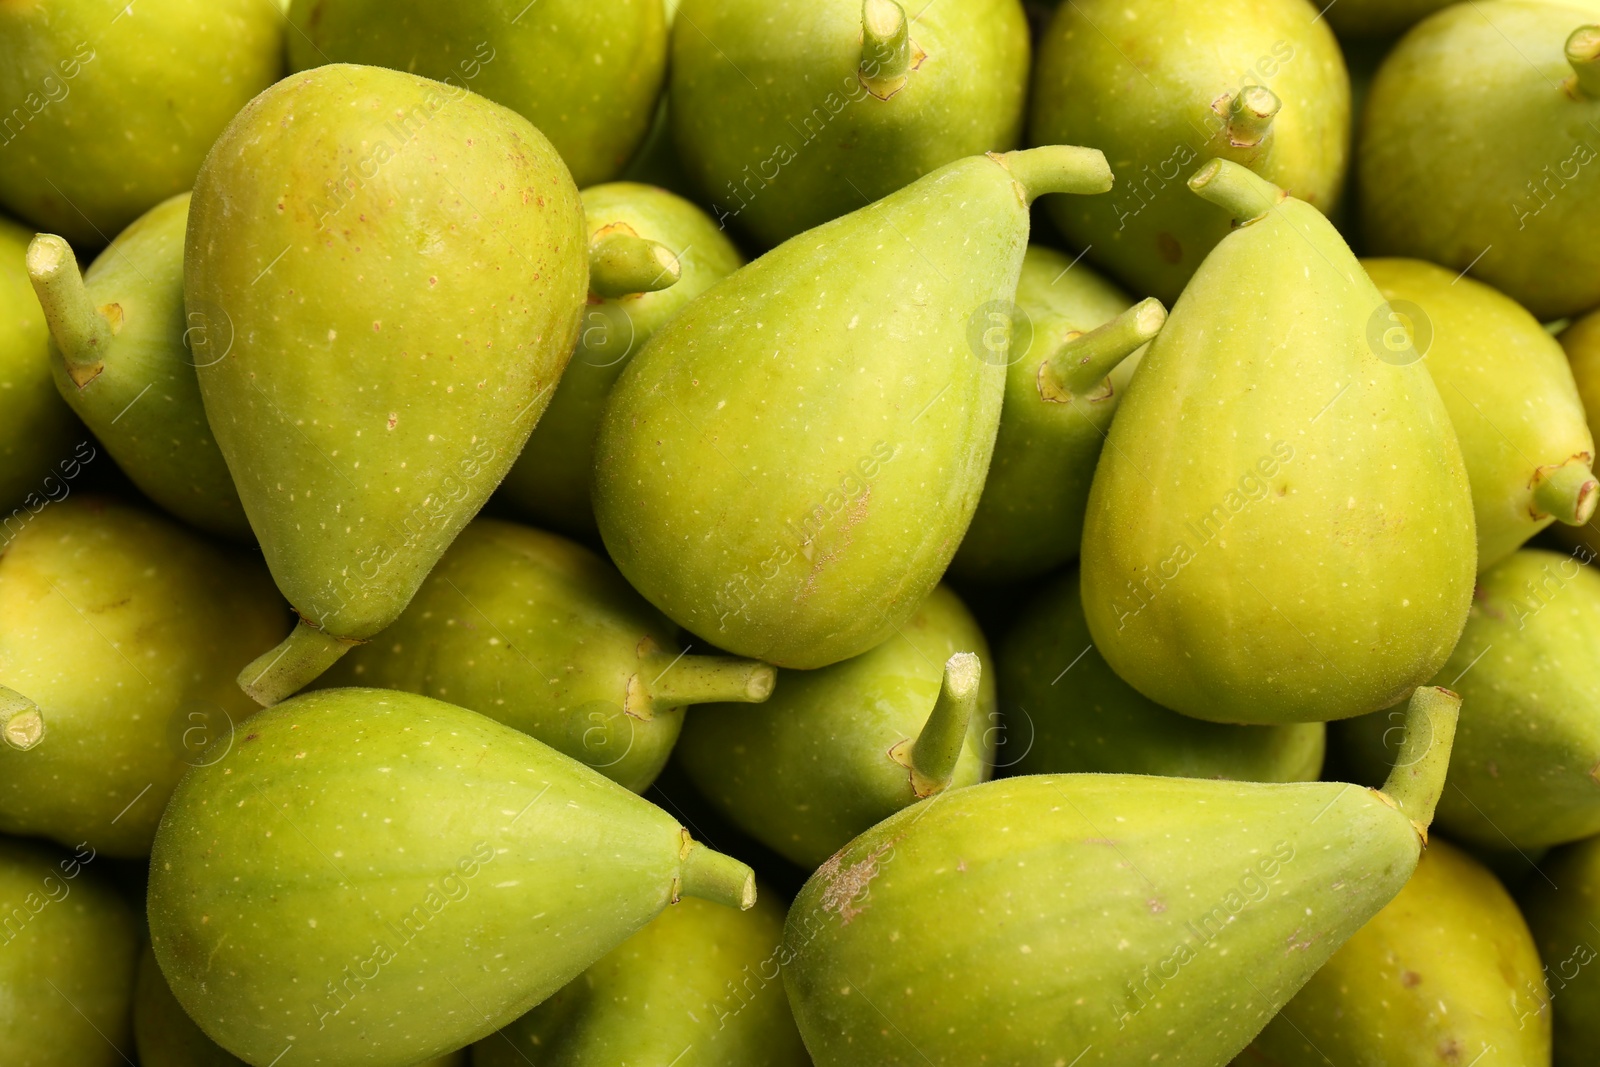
[1068, 711]
[124, 631]
[1563, 909]
[1527, 753]
[587, 75]
[541, 634]
[650, 253]
[1511, 398]
[1280, 528]
[1581, 341]
[384, 277]
[121, 359]
[112, 106]
[1064, 378]
[1492, 172]
[789, 465]
[69, 945]
[789, 113]
[37, 431]
[1103, 919]
[840, 748]
[697, 987]
[441, 874]
[1161, 86]
[1446, 973]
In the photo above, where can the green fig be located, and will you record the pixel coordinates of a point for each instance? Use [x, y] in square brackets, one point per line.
[697, 987]
[1097, 919]
[1078, 350]
[113, 106]
[124, 631]
[37, 430]
[69, 946]
[1511, 398]
[442, 874]
[1563, 910]
[789, 465]
[587, 75]
[838, 749]
[1280, 527]
[1440, 975]
[650, 253]
[1491, 173]
[1162, 84]
[541, 634]
[167, 1037]
[1070, 712]
[398, 269]
[121, 359]
[1581, 340]
[1526, 770]
[851, 102]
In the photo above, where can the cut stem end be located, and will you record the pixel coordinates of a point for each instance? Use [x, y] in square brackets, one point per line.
[666, 682]
[1583, 53]
[1057, 169]
[621, 263]
[1568, 493]
[712, 876]
[887, 53]
[933, 757]
[21, 723]
[1083, 362]
[1250, 115]
[1236, 189]
[293, 664]
[81, 332]
[1417, 779]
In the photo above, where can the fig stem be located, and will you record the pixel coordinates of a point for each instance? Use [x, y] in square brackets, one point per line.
[1236, 189]
[81, 332]
[1250, 115]
[938, 746]
[621, 263]
[21, 723]
[885, 48]
[1583, 52]
[1568, 492]
[712, 876]
[1057, 169]
[1084, 360]
[672, 682]
[294, 663]
[1417, 778]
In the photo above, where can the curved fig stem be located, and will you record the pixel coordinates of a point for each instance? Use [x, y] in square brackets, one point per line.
[1238, 190]
[938, 746]
[1250, 115]
[1568, 492]
[712, 876]
[666, 682]
[1583, 52]
[1417, 779]
[621, 263]
[295, 663]
[1057, 169]
[886, 49]
[82, 333]
[21, 723]
[1085, 359]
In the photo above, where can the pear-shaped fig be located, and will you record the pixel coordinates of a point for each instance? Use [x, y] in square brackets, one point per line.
[1280, 527]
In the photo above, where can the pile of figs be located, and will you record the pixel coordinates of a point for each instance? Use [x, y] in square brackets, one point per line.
[761, 533]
